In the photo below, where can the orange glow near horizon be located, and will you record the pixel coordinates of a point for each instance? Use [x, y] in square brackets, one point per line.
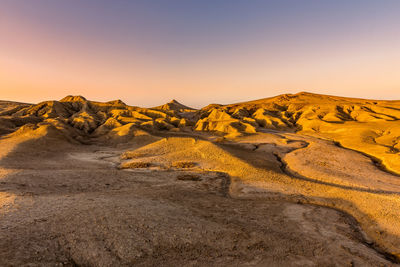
[39, 62]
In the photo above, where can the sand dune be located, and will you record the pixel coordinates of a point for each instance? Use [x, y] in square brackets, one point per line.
[300, 179]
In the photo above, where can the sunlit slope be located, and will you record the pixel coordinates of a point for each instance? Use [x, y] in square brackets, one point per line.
[79, 118]
[254, 172]
[379, 139]
[369, 126]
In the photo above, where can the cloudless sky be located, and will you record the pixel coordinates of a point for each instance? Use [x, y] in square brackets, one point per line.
[147, 52]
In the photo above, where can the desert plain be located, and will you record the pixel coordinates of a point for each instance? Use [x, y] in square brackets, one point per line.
[293, 180]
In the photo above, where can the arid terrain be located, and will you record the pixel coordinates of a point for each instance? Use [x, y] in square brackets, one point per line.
[294, 180]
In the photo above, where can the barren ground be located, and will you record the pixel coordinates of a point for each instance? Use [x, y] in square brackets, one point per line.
[73, 206]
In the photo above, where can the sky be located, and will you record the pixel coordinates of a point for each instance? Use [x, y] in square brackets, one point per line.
[147, 52]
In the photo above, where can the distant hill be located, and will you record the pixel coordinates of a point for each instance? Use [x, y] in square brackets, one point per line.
[370, 126]
[175, 106]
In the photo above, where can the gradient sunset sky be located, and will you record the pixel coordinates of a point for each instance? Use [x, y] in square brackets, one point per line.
[198, 52]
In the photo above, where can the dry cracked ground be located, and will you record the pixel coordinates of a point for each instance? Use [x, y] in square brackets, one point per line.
[295, 180]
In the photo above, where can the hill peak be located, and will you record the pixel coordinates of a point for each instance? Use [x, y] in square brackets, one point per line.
[174, 105]
[174, 101]
[73, 98]
[116, 102]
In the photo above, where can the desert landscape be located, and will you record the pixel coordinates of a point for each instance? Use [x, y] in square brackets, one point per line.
[293, 180]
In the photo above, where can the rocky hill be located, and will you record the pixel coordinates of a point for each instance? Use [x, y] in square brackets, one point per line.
[374, 125]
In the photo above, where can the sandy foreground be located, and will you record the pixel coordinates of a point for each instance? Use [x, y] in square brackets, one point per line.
[134, 191]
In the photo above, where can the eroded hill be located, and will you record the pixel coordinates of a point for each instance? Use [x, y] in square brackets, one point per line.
[368, 126]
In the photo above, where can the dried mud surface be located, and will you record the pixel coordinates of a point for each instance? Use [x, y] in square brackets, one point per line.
[76, 208]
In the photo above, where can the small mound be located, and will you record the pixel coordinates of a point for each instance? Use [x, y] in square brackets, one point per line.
[183, 164]
[135, 165]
